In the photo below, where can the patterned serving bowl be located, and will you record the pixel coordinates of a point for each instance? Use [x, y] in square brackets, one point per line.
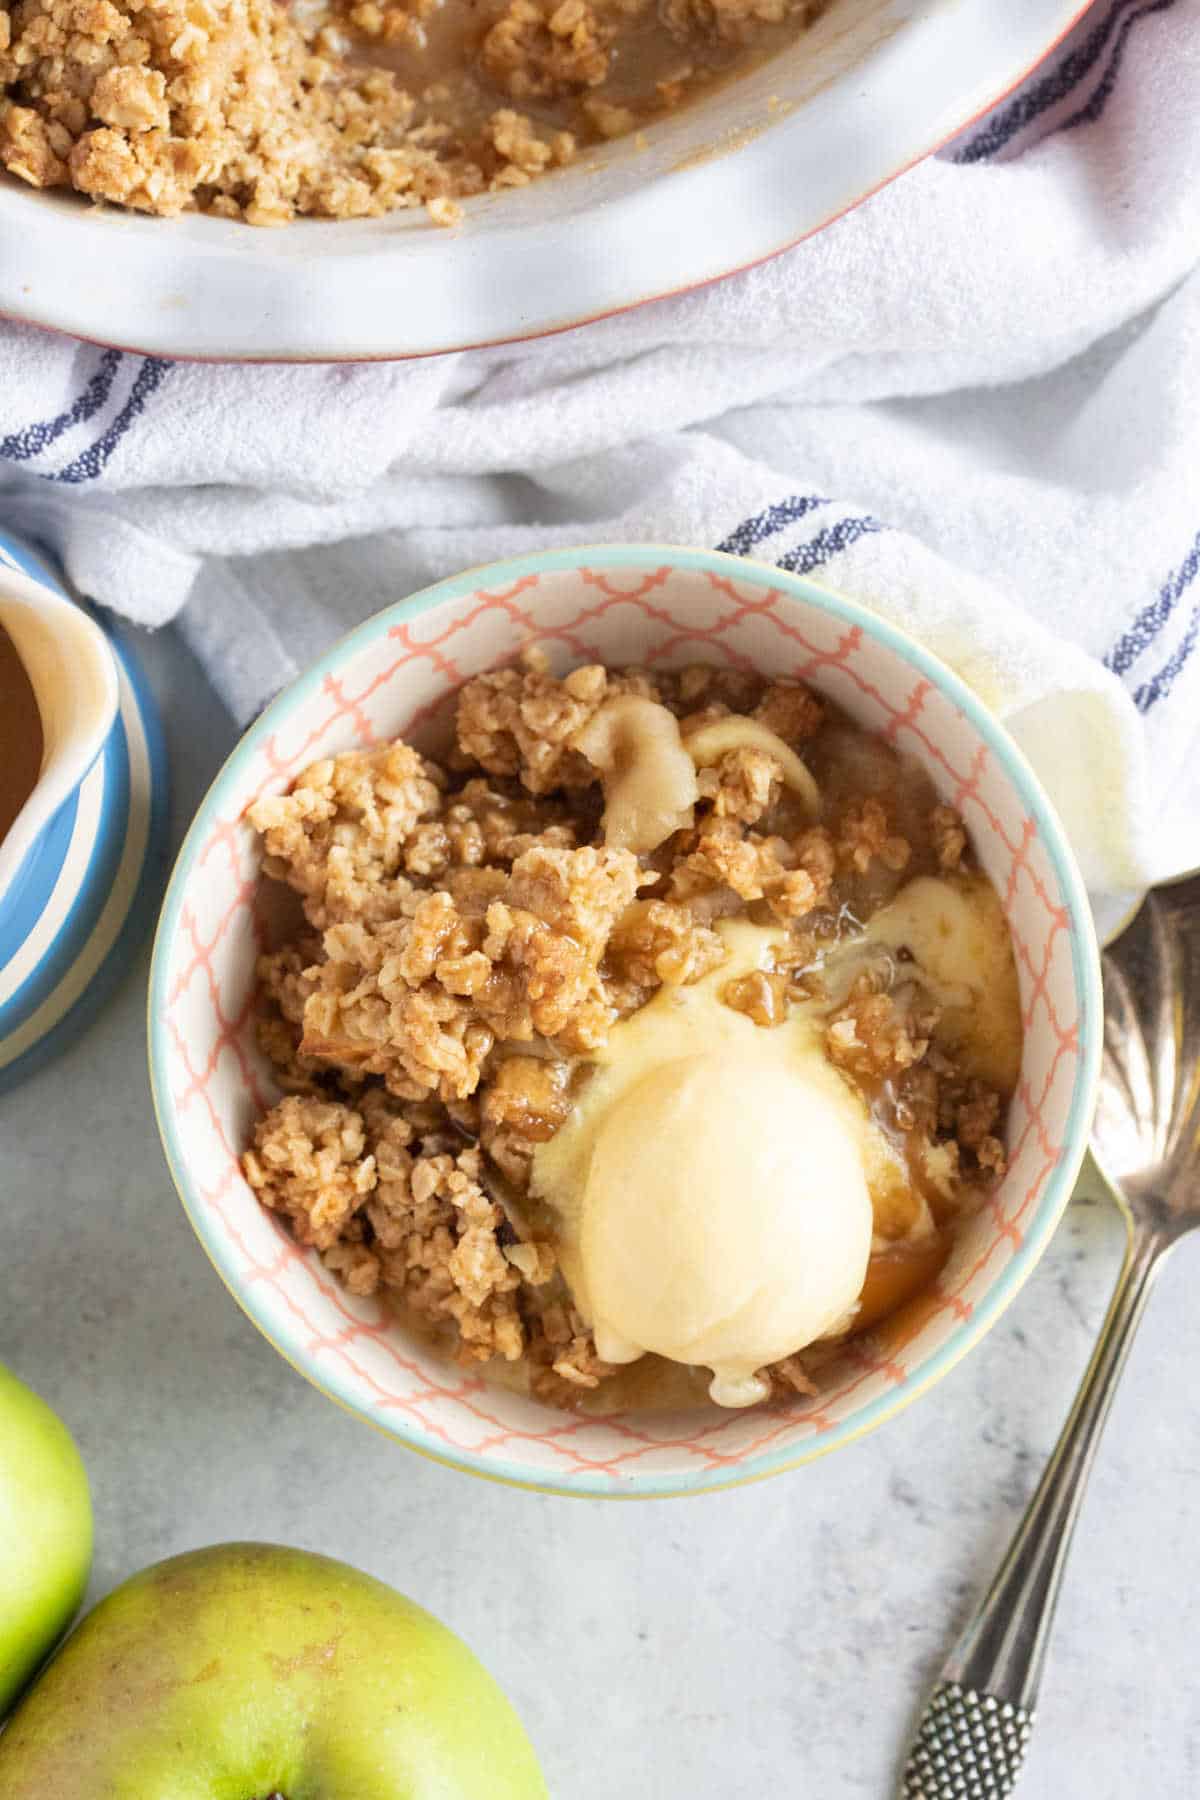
[659, 606]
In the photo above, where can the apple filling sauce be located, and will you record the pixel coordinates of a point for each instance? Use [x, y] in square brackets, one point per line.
[644, 1048]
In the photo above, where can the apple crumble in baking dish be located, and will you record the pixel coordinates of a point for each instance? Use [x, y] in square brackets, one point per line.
[262, 111]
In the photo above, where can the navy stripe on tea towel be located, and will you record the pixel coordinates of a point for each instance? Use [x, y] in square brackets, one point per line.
[1150, 621]
[31, 440]
[830, 542]
[765, 524]
[1049, 91]
[87, 466]
[1160, 685]
[1092, 108]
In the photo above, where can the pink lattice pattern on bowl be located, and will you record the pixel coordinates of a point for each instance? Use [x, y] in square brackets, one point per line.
[394, 675]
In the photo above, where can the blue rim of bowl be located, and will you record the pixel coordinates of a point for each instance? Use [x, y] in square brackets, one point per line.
[1085, 960]
[126, 852]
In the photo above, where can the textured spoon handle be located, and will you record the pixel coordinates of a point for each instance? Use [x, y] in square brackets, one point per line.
[970, 1746]
[973, 1734]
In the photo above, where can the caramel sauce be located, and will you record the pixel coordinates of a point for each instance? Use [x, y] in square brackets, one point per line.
[21, 740]
[895, 1276]
[899, 1329]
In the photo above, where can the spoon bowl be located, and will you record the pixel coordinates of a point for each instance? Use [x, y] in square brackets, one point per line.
[1146, 1131]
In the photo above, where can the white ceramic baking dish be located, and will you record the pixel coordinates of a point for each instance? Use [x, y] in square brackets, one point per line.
[875, 85]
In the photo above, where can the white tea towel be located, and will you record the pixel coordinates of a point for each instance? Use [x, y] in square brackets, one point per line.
[971, 403]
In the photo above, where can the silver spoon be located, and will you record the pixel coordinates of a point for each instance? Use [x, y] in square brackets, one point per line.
[1146, 1138]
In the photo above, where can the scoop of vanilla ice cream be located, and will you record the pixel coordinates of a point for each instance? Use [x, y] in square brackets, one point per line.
[726, 1219]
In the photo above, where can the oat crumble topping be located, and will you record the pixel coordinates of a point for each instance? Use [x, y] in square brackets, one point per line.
[263, 111]
[469, 938]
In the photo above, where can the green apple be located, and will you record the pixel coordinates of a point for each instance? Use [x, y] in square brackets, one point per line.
[45, 1533]
[250, 1672]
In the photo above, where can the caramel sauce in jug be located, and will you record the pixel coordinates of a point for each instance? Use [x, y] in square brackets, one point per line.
[21, 741]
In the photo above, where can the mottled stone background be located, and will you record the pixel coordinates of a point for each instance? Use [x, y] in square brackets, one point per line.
[775, 1640]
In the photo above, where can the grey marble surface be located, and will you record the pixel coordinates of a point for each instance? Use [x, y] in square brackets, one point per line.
[775, 1640]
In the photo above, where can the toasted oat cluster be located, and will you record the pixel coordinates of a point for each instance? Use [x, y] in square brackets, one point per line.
[262, 111]
[470, 935]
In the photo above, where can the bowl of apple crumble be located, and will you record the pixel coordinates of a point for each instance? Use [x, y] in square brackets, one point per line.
[586, 155]
[626, 1021]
